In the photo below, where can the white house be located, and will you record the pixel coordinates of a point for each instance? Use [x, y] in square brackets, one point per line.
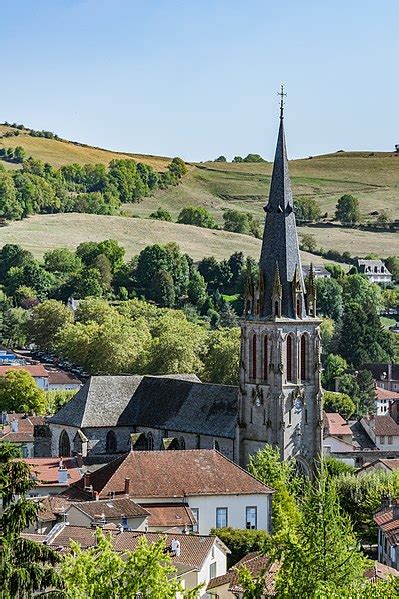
[374, 270]
[122, 511]
[383, 399]
[46, 378]
[218, 492]
[338, 438]
[383, 431]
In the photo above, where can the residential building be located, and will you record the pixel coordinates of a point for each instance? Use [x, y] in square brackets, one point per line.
[338, 438]
[18, 429]
[374, 270]
[52, 475]
[122, 512]
[218, 492]
[46, 378]
[37, 371]
[197, 558]
[319, 271]
[384, 432]
[228, 586]
[387, 521]
[383, 399]
[386, 376]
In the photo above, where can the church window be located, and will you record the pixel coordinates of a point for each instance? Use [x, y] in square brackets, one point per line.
[254, 356]
[289, 348]
[298, 307]
[64, 445]
[110, 442]
[304, 358]
[150, 441]
[265, 358]
[182, 443]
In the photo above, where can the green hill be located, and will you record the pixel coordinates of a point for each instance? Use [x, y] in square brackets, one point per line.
[373, 177]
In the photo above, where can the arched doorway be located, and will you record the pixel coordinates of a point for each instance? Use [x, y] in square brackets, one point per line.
[64, 446]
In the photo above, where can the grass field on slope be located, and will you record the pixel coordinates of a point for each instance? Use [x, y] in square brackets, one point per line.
[44, 232]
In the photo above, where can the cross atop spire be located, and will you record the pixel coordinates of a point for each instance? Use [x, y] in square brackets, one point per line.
[282, 95]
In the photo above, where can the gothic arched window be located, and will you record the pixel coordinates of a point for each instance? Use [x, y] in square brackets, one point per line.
[289, 348]
[150, 441]
[265, 358]
[304, 357]
[110, 442]
[64, 448]
[298, 307]
[254, 343]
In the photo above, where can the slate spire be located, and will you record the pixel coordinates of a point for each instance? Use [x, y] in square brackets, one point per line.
[280, 241]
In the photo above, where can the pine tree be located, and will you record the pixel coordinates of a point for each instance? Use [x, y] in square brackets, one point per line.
[26, 567]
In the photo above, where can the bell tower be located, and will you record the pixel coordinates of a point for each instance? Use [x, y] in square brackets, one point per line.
[280, 368]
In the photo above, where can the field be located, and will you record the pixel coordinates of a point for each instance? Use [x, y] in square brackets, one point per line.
[44, 232]
[373, 177]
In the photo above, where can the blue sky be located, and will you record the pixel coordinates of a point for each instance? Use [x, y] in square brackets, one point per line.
[200, 78]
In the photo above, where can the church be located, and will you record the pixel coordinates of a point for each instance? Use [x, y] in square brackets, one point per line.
[278, 400]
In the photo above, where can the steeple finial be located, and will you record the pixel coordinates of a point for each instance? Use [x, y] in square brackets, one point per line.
[282, 95]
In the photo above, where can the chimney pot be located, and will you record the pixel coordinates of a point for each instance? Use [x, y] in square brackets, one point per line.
[127, 486]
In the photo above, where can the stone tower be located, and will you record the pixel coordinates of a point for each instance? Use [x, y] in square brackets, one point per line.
[280, 389]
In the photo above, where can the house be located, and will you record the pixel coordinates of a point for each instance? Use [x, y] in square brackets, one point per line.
[319, 271]
[383, 399]
[386, 376]
[18, 429]
[111, 414]
[37, 371]
[384, 465]
[61, 380]
[121, 511]
[384, 432]
[52, 475]
[197, 558]
[374, 270]
[228, 585]
[338, 438]
[387, 521]
[218, 492]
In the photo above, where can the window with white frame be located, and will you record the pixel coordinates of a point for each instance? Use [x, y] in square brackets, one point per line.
[221, 517]
[212, 570]
[251, 517]
[195, 513]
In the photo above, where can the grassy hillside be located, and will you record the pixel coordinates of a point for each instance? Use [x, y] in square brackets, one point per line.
[44, 232]
[371, 176]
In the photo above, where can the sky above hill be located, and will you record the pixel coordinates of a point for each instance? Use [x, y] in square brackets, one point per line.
[199, 78]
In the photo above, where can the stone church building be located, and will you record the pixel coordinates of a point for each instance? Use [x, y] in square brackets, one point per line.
[278, 400]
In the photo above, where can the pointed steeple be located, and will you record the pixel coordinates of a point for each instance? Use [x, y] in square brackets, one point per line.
[280, 240]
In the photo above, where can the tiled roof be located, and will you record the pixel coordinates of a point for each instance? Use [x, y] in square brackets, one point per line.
[193, 548]
[25, 428]
[379, 368]
[169, 514]
[382, 425]
[390, 526]
[258, 565]
[389, 463]
[172, 474]
[111, 508]
[176, 403]
[336, 424]
[46, 470]
[385, 393]
[61, 377]
[86, 537]
[51, 507]
[36, 370]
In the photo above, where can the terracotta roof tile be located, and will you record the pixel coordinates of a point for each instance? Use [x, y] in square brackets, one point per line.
[112, 508]
[36, 370]
[382, 425]
[169, 514]
[257, 564]
[335, 424]
[386, 394]
[61, 377]
[46, 470]
[171, 474]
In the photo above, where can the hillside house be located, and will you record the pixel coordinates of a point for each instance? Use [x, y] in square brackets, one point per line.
[374, 270]
[218, 492]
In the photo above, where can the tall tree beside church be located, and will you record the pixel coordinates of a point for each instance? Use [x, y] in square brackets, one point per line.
[26, 567]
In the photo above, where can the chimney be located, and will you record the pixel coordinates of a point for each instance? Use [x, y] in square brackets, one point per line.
[62, 474]
[86, 480]
[127, 486]
[96, 495]
[14, 425]
[176, 547]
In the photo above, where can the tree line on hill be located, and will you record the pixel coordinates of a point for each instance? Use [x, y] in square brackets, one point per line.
[92, 188]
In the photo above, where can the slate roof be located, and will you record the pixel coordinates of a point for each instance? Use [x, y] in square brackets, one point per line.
[176, 403]
[111, 508]
[171, 474]
[280, 239]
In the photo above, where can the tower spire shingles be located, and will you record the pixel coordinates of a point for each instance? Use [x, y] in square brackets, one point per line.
[280, 240]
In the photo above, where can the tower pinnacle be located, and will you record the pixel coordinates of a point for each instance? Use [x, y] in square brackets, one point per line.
[282, 95]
